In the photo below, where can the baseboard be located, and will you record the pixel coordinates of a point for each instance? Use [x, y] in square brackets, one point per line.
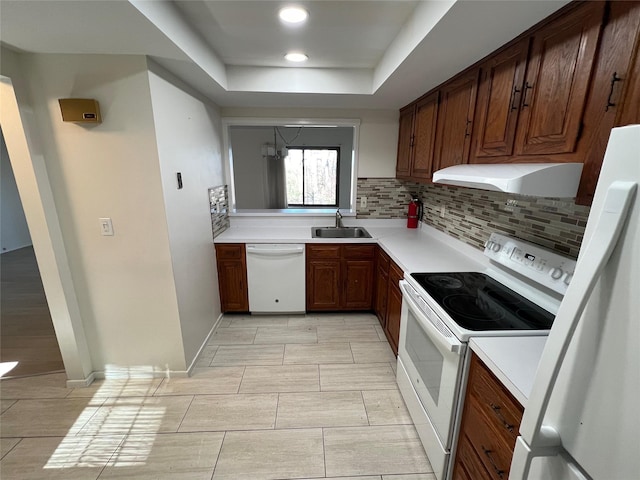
[144, 373]
[18, 247]
[123, 375]
[88, 380]
[204, 344]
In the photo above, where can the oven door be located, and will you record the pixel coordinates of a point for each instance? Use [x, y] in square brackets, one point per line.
[433, 359]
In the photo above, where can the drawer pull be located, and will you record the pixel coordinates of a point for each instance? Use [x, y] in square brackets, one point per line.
[505, 424]
[488, 453]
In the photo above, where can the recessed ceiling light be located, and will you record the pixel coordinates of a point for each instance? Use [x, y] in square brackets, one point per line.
[296, 57]
[293, 15]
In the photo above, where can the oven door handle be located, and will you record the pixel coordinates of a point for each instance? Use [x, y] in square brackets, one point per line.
[439, 334]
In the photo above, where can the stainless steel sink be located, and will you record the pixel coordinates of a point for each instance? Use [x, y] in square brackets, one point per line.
[339, 232]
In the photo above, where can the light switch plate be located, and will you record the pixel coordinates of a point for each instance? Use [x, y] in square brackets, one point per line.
[106, 227]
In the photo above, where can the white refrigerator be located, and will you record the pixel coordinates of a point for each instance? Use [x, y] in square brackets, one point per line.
[582, 420]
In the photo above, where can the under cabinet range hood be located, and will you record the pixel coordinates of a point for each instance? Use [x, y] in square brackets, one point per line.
[535, 179]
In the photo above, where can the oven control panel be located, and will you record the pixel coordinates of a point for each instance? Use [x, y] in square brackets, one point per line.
[537, 263]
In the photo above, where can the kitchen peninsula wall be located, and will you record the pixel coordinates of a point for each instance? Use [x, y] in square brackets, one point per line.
[471, 215]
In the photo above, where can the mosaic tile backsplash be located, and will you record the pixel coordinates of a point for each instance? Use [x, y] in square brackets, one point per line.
[219, 205]
[472, 215]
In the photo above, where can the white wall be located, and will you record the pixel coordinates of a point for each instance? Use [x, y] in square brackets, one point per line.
[14, 232]
[249, 167]
[188, 138]
[124, 283]
[378, 133]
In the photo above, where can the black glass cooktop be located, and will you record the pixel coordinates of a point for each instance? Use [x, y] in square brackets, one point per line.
[478, 302]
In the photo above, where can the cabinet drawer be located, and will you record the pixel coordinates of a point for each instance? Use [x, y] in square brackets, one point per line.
[355, 252]
[490, 446]
[494, 402]
[229, 251]
[468, 466]
[316, 251]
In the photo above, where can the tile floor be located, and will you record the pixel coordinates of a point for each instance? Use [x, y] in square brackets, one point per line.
[274, 397]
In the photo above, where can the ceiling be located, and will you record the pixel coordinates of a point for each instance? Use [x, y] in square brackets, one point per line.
[362, 53]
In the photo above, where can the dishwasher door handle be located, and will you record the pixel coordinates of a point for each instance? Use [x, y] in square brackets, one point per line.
[274, 252]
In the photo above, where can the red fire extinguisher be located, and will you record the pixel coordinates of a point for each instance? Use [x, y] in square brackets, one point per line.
[415, 212]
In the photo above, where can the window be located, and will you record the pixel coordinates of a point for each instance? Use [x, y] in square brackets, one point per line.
[312, 176]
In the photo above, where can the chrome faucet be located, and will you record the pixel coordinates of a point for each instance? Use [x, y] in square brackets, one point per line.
[339, 219]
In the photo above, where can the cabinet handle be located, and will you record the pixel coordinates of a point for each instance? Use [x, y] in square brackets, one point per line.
[615, 78]
[527, 87]
[412, 141]
[466, 128]
[514, 104]
[488, 453]
[505, 424]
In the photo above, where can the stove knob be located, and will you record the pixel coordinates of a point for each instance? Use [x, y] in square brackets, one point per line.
[568, 278]
[556, 273]
[496, 247]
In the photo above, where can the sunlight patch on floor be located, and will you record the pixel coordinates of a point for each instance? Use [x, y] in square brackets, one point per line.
[132, 421]
[6, 367]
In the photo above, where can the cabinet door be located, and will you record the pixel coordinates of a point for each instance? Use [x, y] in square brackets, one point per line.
[455, 115]
[323, 280]
[424, 137]
[380, 307]
[232, 277]
[629, 113]
[611, 97]
[358, 284]
[405, 142]
[394, 307]
[499, 95]
[381, 286]
[557, 80]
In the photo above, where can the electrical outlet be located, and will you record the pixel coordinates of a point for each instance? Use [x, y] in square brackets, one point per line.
[442, 211]
[363, 202]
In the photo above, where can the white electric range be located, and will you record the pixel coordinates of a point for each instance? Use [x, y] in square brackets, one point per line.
[518, 294]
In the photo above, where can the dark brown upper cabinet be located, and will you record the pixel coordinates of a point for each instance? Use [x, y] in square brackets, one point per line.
[416, 138]
[405, 142]
[553, 94]
[455, 120]
[426, 116]
[611, 101]
[557, 81]
[499, 97]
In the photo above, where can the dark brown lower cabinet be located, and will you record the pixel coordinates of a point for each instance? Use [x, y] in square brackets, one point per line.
[232, 277]
[394, 306]
[490, 421]
[340, 277]
[381, 286]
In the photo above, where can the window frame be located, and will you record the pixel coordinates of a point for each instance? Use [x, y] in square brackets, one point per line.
[337, 185]
[253, 121]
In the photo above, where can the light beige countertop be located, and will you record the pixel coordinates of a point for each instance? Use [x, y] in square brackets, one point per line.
[513, 360]
[422, 249]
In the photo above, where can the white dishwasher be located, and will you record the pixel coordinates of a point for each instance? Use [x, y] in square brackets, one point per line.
[276, 277]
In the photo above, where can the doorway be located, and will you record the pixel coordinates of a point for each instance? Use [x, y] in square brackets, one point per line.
[28, 343]
[27, 161]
